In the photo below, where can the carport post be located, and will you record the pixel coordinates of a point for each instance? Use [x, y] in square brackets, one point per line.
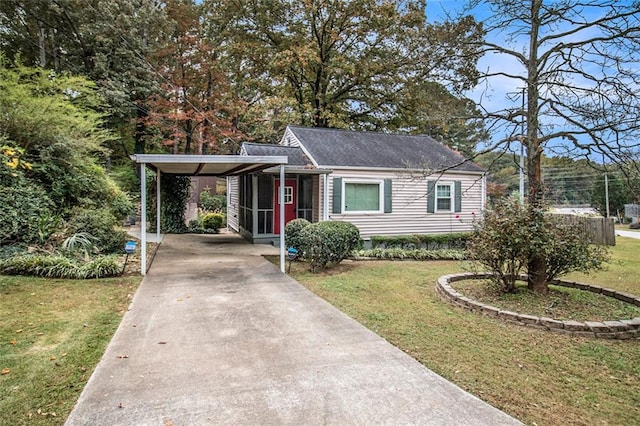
[143, 219]
[281, 195]
[158, 206]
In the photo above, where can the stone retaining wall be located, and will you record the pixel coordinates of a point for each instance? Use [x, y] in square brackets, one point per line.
[623, 329]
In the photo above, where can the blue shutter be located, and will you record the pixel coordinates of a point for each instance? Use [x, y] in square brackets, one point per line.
[387, 196]
[457, 196]
[337, 195]
[431, 196]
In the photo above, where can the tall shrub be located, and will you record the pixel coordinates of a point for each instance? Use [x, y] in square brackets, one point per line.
[292, 233]
[504, 243]
[329, 242]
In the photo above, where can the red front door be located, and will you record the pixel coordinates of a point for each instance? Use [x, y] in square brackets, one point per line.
[290, 203]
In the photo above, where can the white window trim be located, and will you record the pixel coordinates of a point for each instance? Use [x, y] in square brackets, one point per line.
[379, 182]
[452, 197]
[288, 194]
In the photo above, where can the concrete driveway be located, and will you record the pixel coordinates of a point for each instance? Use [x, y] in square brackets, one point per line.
[218, 335]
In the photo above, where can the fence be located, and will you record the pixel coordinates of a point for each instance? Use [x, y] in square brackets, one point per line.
[600, 229]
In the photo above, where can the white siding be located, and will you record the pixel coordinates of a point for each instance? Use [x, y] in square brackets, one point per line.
[233, 201]
[409, 199]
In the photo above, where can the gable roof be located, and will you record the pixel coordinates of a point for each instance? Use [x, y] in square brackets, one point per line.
[296, 156]
[345, 148]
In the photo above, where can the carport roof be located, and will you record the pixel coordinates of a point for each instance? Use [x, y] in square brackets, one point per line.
[208, 165]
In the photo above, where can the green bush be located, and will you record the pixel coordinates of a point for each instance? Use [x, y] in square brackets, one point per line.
[292, 232]
[507, 239]
[22, 201]
[213, 203]
[329, 242]
[60, 266]
[415, 254]
[213, 221]
[456, 240]
[102, 225]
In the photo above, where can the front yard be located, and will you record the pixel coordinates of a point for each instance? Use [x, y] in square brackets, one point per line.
[52, 335]
[538, 377]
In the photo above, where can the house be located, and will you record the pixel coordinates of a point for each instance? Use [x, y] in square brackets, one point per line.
[386, 184]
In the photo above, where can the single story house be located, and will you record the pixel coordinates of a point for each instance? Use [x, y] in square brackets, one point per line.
[386, 184]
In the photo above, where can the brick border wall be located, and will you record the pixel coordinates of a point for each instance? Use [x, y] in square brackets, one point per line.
[623, 329]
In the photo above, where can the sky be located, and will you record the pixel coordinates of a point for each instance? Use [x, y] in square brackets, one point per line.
[501, 92]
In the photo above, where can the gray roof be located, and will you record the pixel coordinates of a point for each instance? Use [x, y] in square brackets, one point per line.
[295, 154]
[344, 148]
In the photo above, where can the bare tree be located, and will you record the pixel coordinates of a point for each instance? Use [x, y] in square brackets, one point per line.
[577, 63]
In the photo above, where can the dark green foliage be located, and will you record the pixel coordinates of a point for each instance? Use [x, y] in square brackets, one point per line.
[175, 193]
[60, 266]
[213, 203]
[20, 207]
[414, 254]
[213, 221]
[22, 202]
[429, 242]
[125, 176]
[620, 193]
[292, 233]
[329, 242]
[102, 225]
[507, 239]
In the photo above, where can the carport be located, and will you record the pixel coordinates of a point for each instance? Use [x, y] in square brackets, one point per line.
[201, 165]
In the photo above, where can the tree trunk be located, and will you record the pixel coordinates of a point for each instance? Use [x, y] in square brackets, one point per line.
[537, 264]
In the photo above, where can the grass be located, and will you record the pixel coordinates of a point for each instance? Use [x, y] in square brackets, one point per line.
[52, 335]
[538, 377]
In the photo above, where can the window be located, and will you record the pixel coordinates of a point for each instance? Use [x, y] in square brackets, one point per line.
[443, 198]
[288, 194]
[362, 196]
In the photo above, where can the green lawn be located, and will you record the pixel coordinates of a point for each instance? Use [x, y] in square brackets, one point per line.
[538, 377]
[52, 335]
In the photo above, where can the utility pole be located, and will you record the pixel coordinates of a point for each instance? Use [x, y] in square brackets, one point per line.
[522, 138]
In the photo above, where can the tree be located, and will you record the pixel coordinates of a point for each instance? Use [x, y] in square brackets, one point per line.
[340, 63]
[619, 194]
[577, 62]
[193, 114]
[107, 41]
[52, 139]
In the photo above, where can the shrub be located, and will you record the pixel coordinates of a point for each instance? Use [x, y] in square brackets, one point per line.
[212, 221]
[22, 203]
[414, 254]
[102, 226]
[60, 266]
[456, 240]
[329, 242]
[213, 203]
[292, 233]
[506, 240]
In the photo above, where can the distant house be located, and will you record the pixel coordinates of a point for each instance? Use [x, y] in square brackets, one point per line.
[383, 183]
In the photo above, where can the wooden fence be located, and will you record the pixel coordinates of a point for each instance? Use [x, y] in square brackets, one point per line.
[600, 229]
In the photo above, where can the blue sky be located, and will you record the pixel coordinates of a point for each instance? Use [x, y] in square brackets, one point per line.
[499, 92]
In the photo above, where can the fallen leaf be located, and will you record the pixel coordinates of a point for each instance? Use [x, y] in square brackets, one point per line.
[5, 371]
[14, 341]
[19, 331]
[52, 358]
